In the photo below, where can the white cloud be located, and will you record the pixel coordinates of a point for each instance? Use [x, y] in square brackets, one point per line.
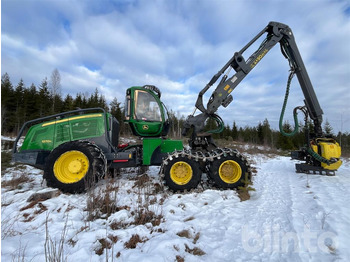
[179, 46]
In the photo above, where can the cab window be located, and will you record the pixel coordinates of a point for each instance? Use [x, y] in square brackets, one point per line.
[146, 107]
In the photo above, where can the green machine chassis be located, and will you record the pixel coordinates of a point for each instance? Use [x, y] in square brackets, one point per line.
[93, 125]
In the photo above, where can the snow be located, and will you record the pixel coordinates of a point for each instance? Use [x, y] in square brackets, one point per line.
[289, 217]
[7, 138]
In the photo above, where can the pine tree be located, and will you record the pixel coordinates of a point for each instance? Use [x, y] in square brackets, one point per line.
[79, 102]
[30, 103]
[6, 89]
[68, 103]
[96, 100]
[117, 111]
[44, 98]
[172, 117]
[260, 133]
[328, 129]
[285, 142]
[102, 102]
[7, 103]
[267, 133]
[226, 133]
[19, 109]
[234, 131]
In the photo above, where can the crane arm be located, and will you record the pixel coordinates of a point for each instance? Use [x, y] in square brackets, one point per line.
[276, 33]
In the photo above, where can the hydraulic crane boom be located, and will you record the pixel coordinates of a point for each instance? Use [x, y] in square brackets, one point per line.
[275, 33]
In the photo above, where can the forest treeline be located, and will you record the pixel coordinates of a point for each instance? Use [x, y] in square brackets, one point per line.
[20, 103]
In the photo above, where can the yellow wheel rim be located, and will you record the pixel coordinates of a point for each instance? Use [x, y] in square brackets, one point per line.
[71, 167]
[181, 173]
[230, 171]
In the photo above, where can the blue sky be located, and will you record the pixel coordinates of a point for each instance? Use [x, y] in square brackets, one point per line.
[178, 46]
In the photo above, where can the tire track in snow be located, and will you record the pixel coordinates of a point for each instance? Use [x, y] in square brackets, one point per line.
[270, 211]
[274, 225]
[331, 194]
[242, 231]
[309, 213]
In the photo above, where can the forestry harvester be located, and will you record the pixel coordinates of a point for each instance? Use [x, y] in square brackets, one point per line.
[77, 148]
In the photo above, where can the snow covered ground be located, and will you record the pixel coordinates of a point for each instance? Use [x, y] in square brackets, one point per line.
[290, 217]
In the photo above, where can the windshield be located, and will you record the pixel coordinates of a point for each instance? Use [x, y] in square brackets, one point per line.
[146, 107]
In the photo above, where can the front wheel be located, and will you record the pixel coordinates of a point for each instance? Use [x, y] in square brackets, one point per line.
[75, 166]
[229, 171]
[181, 174]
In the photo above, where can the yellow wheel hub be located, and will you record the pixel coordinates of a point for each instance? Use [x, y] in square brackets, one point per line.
[181, 173]
[71, 167]
[230, 171]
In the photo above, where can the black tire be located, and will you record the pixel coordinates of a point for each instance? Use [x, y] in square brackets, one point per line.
[75, 166]
[182, 174]
[229, 172]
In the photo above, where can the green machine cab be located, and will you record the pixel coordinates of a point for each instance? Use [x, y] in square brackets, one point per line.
[145, 113]
[148, 118]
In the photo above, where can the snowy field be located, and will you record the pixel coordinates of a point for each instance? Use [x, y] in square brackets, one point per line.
[290, 217]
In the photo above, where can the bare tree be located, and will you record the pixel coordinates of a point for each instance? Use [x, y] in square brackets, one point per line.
[55, 86]
[55, 82]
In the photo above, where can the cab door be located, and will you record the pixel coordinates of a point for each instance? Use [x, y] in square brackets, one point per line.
[144, 112]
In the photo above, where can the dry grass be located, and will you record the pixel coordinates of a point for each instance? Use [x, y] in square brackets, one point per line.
[133, 241]
[102, 203]
[145, 216]
[249, 148]
[6, 158]
[184, 233]
[40, 207]
[196, 237]
[16, 182]
[42, 196]
[196, 251]
[141, 181]
[115, 225]
[243, 191]
[20, 254]
[146, 209]
[189, 219]
[105, 244]
[187, 234]
[8, 226]
[243, 194]
[54, 248]
[179, 259]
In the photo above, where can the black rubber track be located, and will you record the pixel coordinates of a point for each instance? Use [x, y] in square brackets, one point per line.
[97, 166]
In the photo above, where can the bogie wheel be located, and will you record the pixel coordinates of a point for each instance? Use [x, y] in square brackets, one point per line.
[229, 171]
[181, 174]
[75, 166]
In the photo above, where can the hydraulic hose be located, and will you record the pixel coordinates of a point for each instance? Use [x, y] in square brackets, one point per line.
[295, 115]
[219, 122]
[309, 149]
[318, 157]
